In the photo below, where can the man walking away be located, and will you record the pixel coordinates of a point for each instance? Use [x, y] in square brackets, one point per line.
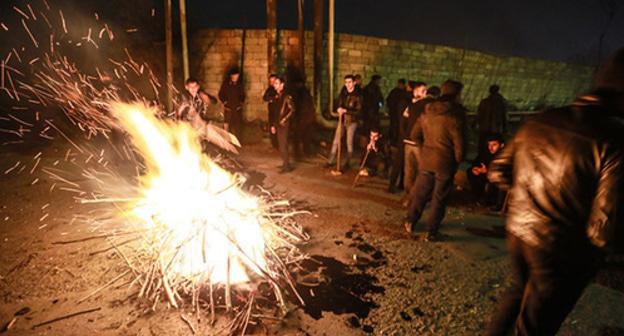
[285, 110]
[232, 95]
[441, 129]
[350, 109]
[565, 168]
[491, 117]
[270, 96]
[304, 120]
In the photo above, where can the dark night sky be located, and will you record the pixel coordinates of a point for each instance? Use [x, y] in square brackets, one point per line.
[551, 29]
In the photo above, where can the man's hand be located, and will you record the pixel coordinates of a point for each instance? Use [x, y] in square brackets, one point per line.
[341, 110]
[273, 130]
[482, 169]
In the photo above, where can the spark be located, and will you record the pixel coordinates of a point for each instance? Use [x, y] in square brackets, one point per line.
[21, 12]
[63, 20]
[31, 12]
[30, 34]
[12, 168]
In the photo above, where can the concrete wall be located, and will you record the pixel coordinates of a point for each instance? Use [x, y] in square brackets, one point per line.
[526, 83]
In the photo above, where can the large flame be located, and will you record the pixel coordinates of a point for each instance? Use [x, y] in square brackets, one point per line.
[207, 225]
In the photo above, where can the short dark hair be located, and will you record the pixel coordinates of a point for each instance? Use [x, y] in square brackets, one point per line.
[272, 75]
[375, 77]
[494, 137]
[418, 84]
[191, 80]
[401, 81]
[374, 129]
[280, 78]
[351, 77]
[233, 71]
[433, 91]
[494, 89]
[451, 88]
[411, 83]
[357, 76]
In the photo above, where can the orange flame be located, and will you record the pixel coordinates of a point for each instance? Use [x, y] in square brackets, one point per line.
[210, 227]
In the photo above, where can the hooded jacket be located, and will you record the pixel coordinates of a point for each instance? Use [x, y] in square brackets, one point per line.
[565, 168]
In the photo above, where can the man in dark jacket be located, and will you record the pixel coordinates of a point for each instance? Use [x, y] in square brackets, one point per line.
[565, 168]
[304, 120]
[270, 96]
[349, 107]
[491, 117]
[373, 101]
[411, 147]
[392, 103]
[284, 110]
[398, 153]
[232, 95]
[486, 192]
[441, 131]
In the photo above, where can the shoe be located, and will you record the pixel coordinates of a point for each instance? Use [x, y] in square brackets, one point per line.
[286, 169]
[430, 237]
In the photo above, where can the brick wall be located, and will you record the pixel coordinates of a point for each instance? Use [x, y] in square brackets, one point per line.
[526, 83]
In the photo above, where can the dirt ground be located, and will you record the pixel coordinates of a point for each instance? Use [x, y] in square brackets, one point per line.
[393, 284]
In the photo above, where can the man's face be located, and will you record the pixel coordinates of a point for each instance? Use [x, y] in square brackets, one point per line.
[494, 146]
[278, 85]
[420, 91]
[192, 88]
[374, 136]
[349, 84]
[234, 77]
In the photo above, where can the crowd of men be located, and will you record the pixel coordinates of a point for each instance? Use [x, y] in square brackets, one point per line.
[560, 177]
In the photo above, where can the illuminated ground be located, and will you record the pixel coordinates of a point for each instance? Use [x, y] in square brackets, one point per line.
[413, 287]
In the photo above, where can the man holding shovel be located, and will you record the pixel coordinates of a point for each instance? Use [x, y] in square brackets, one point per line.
[349, 109]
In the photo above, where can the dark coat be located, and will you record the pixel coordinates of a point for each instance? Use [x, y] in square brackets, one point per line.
[414, 111]
[353, 103]
[284, 108]
[442, 134]
[492, 114]
[373, 99]
[566, 171]
[232, 95]
[392, 102]
[270, 96]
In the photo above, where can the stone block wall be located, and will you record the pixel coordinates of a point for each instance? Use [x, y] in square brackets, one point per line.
[526, 83]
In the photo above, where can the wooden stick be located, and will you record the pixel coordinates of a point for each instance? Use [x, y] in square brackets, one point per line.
[188, 323]
[357, 175]
[339, 130]
[228, 295]
[66, 317]
[108, 284]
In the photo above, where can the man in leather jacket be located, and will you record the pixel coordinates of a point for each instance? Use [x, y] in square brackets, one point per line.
[565, 171]
[284, 110]
[350, 108]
